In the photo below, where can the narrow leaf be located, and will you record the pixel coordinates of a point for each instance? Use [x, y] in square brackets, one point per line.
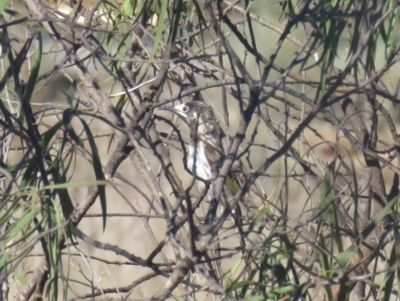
[98, 170]
[30, 86]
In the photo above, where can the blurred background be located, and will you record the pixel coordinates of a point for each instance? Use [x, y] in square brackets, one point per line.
[135, 222]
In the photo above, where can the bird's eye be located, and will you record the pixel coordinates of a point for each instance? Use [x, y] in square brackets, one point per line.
[185, 109]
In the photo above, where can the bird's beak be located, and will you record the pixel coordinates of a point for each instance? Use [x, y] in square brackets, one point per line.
[175, 111]
[171, 109]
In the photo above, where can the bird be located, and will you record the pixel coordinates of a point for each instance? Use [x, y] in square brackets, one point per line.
[205, 151]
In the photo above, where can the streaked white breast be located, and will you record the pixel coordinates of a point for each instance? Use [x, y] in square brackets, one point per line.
[203, 169]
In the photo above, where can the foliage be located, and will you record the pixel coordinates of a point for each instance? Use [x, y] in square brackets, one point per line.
[95, 200]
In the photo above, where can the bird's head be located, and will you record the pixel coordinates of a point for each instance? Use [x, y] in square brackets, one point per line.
[190, 111]
[199, 117]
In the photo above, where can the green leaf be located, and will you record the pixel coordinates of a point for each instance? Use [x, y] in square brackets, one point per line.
[98, 170]
[20, 278]
[8, 117]
[233, 270]
[256, 298]
[30, 86]
[129, 7]
[65, 200]
[387, 283]
[30, 173]
[121, 103]
[283, 290]
[178, 7]
[264, 267]
[259, 217]
[390, 41]
[326, 197]
[67, 117]
[239, 285]
[3, 260]
[17, 228]
[345, 256]
[49, 134]
[3, 4]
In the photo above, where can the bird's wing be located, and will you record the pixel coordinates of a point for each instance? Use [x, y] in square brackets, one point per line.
[214, 154]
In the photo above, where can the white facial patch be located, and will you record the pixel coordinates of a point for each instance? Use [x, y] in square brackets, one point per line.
[184, 111]
[179, 109]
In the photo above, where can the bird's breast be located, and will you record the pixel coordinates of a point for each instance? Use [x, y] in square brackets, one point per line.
[199, 166]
